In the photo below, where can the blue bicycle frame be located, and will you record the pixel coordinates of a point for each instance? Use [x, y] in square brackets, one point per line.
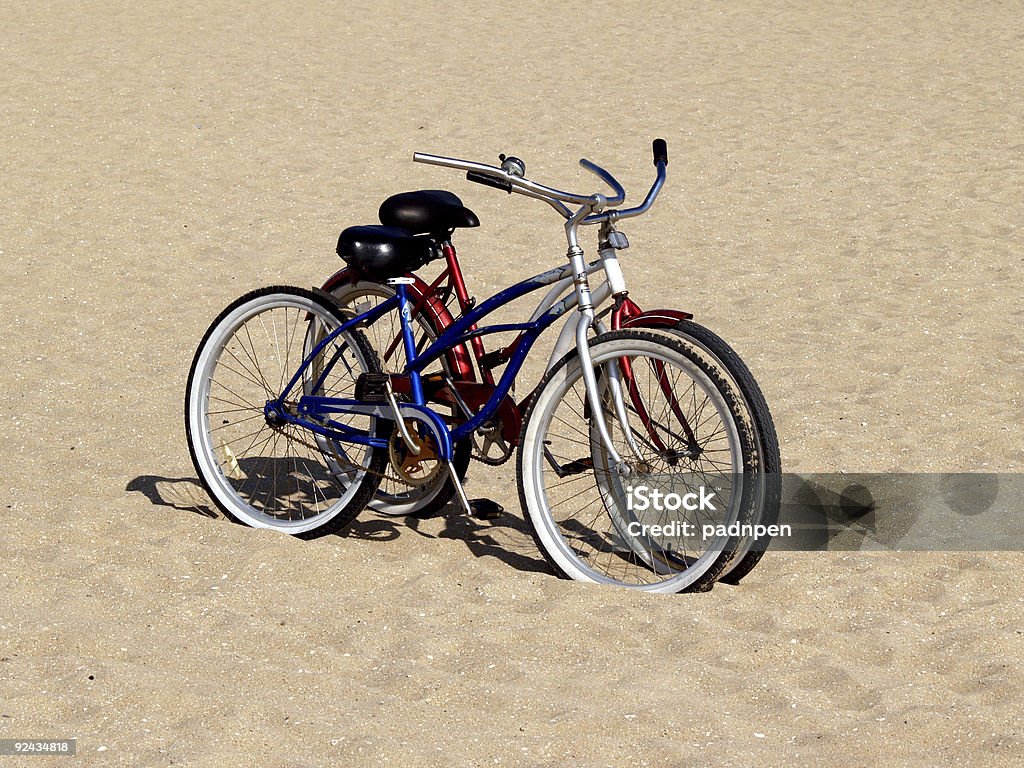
[313, 411]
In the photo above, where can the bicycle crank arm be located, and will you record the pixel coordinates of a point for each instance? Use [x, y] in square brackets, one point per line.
[459, 490]
[411, 444]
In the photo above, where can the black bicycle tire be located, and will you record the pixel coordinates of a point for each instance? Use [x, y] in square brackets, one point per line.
[767, 437]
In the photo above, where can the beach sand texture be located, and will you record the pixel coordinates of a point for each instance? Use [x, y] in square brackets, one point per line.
[844, 206]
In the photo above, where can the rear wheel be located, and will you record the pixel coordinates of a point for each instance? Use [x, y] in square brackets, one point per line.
[259, 468]
[426, 489]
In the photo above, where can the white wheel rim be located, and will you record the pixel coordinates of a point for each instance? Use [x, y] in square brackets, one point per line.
[548, 529]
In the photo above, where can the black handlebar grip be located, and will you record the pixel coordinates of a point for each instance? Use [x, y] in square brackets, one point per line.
[660, 151]
[489, 181]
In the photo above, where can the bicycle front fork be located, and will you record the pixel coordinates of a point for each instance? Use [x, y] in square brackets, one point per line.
[584, 324]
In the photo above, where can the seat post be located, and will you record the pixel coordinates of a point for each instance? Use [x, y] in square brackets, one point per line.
[458, 283]
[405, 318]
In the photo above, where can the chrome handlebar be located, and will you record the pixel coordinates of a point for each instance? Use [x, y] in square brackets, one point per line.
[556, 198]
[607, 178]
[645, 206]
[513, 183]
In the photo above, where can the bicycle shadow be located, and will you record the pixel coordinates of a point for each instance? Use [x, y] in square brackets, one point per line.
[846, 512]
[505, 537]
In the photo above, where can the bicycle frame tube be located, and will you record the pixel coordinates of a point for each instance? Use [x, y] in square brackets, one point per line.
[416, 387]
[465, 329]
[462, 330]
[512, 368]
[367, 317]
[423, 300]
[426, 303]
[458, 284]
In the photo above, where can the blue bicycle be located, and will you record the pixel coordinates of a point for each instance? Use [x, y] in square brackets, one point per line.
[293, 424]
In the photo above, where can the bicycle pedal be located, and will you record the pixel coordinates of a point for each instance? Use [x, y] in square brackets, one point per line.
[485, 509]
[372, 387]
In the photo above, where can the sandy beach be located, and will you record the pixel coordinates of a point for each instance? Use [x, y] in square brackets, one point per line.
[843, 206]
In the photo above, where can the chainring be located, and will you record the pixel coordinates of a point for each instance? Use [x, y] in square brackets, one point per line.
[489, 447]
[414, 469]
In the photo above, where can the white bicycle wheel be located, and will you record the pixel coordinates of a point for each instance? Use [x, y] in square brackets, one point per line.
[687, 430]
[259, 469]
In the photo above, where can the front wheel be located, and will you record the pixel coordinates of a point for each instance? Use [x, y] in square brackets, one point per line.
[678, 427]
[769, 487]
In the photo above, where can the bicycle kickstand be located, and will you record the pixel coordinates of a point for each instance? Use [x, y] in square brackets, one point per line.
[459, 490]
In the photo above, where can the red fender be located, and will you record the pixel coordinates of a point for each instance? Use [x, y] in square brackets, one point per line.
[629, 315]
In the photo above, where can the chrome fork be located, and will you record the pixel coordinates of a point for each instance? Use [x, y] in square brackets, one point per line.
[585, 322]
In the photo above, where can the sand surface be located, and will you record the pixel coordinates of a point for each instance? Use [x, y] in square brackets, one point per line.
[844, 206]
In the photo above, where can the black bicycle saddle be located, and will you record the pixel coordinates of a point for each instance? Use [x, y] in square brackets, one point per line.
[384, 252]
[428, 211]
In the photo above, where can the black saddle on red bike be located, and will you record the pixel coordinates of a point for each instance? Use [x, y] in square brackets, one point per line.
[384, 252]
[428, 211]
